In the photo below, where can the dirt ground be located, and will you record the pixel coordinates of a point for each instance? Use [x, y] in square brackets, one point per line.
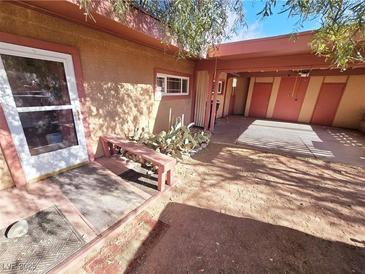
[237, 210]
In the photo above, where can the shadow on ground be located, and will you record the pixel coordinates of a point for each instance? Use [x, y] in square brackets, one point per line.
[193, 240]
[291, 185]
[239, 210]
[321, 142]
[100, 196]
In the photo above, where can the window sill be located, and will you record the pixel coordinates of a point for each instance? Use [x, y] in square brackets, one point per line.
[173, 97]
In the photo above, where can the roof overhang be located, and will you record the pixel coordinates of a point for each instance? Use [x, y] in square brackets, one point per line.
[270, 55]
[137, 26]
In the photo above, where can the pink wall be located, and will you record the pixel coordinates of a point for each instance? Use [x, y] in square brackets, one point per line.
[260, 100]
[327, 103]
[290, 98]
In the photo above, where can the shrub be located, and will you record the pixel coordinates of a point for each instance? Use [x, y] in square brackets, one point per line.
[179, 141]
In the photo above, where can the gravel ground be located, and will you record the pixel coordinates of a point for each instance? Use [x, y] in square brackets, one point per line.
[237, 210]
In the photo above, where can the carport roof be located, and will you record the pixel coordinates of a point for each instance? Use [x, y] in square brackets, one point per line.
[272, 55]
[289, 44]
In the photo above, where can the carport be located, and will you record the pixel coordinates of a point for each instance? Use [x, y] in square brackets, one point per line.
[326, 143]
[294, 100]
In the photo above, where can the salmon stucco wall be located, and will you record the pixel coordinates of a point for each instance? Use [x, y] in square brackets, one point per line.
[118, 75]
[310, 99]
[168, 111]
[352, 106]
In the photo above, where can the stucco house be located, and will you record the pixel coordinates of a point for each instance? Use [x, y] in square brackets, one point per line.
[65, 81]
[104, 72]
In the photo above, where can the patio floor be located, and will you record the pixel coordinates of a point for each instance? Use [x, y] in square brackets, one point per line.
[92, 197]
[327, 143]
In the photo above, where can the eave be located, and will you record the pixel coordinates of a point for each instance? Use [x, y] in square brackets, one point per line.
[137, 26]
[289, 44]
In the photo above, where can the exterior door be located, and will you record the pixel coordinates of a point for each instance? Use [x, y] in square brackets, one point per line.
[327, 103]
[290, 98]
[260, 100]
[40, 101]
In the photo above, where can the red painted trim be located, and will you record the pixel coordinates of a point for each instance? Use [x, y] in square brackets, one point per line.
[314, 72]
[82, 99]
[39, 44]
[209, 96]
[177, 73]
[225, 95]
[11, 156]
[269, 63]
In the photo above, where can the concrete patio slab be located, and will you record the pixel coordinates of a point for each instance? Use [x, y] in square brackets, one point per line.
[327, 143]
[101, 196]
[132, 172]
[94, 200]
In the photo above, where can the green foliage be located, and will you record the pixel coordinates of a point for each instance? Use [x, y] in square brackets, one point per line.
[195, 25]
[341, 37]
[178, 141]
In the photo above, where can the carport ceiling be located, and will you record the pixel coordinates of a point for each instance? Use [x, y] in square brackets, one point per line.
[302, 73]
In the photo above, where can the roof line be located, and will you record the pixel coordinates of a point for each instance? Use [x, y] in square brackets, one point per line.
[268, 38]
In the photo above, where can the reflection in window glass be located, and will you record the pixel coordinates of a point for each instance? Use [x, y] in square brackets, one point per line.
[185, 86]
[173, 85]
[36, 82]
[47, 131]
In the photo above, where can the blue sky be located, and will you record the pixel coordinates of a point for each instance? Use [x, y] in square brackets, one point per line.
[276, 24]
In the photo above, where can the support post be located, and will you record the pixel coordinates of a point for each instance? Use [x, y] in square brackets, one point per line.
[161, 180]
[214, 106]
[170, 174]
[105, 146]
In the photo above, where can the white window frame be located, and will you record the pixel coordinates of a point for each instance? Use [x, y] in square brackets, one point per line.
[165, 76]
[35, 166]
